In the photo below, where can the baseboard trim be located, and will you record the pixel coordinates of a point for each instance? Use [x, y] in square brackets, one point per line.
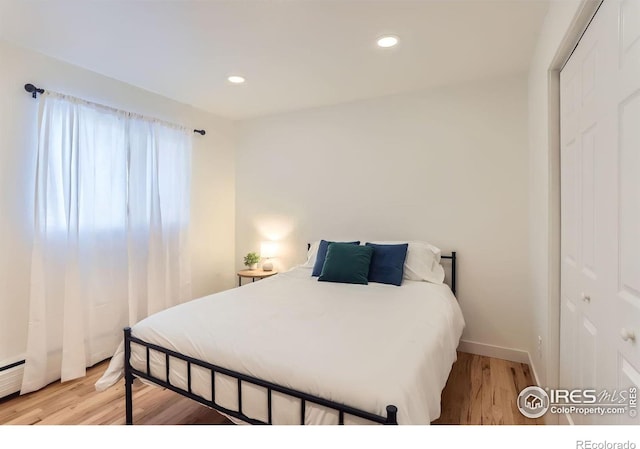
[498, 352]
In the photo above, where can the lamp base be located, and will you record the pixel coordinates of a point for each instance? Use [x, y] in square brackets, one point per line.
[267, 266]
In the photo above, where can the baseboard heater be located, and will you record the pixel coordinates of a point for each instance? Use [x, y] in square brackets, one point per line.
[11, 378]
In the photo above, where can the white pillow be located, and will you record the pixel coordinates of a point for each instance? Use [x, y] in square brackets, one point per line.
[422, 262]
[312, 254]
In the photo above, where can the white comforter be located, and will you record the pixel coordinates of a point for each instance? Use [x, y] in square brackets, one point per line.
[367, 346]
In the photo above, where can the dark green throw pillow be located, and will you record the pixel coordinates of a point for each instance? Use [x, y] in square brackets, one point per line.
[347, 263]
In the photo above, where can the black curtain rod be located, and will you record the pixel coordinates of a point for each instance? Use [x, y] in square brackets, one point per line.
[34, 91]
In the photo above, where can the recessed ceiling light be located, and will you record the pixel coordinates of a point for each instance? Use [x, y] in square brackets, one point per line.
[236, 79]
[387, 41]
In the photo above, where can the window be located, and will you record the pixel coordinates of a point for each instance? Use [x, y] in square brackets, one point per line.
[111, 171]
[111, 232]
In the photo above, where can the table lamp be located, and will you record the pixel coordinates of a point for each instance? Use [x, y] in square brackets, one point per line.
[268, 251]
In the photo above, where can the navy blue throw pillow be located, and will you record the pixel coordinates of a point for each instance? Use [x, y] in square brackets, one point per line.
[322, 254]
[347, 263]
[387, 263]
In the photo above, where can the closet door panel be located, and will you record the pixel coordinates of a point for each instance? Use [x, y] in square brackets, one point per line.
[584, 201]
[600, 170]
[625, 284]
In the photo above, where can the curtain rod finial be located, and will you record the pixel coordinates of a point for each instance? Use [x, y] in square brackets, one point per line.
[33, 90]
[202, 132]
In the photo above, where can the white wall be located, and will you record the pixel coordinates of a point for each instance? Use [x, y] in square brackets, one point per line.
[213, 200]
[448, 166]
[559, 32]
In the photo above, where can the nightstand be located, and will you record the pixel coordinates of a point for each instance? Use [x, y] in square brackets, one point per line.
[254, 274]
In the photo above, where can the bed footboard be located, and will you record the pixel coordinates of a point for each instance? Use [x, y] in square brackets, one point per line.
[130, 372]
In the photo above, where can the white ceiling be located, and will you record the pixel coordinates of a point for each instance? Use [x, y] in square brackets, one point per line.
[294, 54]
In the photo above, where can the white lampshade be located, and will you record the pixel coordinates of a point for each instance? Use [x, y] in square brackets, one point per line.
[268, 249]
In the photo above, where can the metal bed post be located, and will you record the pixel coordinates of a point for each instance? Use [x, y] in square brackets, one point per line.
[453, 272]
[128, 376]
[392, 415]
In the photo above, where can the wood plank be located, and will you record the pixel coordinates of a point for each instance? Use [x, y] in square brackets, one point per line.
[486, 396]
[474, 409]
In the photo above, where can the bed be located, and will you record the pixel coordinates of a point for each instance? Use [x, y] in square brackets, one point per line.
[292, 350]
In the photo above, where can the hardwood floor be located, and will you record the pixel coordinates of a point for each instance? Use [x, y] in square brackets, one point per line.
[480, 390]
[77, 402]
[483, 390]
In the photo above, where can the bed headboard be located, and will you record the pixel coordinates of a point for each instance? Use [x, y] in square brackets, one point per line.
[451, 257]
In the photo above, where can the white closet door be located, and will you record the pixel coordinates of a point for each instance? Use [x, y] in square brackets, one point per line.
[625, 249]
[584, 197]
[600, 170]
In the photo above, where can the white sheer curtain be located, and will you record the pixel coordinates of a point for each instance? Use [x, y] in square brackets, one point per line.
[111, 242]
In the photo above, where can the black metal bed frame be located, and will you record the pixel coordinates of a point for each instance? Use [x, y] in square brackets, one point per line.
[130, 372]
[452, 258]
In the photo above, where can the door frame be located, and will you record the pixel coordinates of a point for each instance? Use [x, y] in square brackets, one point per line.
[584, 14]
